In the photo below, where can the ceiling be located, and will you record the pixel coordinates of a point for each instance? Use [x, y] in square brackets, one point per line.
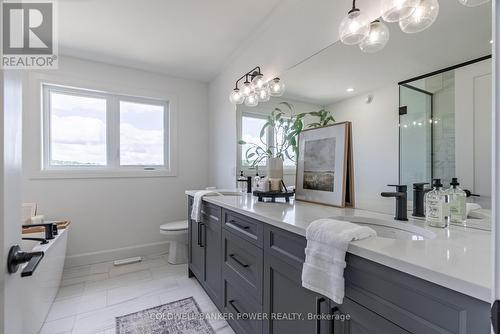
[185, 38]
[459, 34]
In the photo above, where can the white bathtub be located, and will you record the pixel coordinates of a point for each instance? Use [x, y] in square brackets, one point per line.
[40, 289]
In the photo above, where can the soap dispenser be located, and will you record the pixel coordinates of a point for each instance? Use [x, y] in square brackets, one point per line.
[458, 213]
[437, 209]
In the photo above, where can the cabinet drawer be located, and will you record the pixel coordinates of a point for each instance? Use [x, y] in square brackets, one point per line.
[361, 320]
[243, 264]
[243, 310]
[210, 212]
[288, 247]
[247, 228]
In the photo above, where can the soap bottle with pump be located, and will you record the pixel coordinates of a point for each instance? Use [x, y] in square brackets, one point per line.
[242, 185]
[437, 211]
[458, 212]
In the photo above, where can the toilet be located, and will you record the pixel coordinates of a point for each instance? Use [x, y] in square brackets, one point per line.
[177, 235]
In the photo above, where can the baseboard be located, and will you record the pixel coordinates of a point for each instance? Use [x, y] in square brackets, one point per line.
[116, 254]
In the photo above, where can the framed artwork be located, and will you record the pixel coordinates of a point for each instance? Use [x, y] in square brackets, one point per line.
[324, 166]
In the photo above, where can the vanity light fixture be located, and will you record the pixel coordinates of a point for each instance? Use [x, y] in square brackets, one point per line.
[377, 38]
[395, 10]
[255, 88]
[354, 27]
[276, 87]
[473, 3]
[422, 18]
[349, 90]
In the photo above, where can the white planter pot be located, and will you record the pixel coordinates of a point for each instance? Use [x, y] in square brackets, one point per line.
[275, 168]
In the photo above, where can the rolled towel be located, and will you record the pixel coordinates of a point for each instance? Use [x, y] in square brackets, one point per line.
[327, 243]
[196, 208]
[469, 207]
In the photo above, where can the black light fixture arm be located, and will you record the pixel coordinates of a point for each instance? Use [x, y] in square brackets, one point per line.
[354, 9]
[252, 74]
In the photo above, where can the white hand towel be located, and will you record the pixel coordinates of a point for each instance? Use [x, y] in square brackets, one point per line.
[196, 208]
[327, 242]
[469, 207]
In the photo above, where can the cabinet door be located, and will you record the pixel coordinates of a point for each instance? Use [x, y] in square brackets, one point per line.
[196, 251]
[285, 296]
[352, 318]
[211, 242]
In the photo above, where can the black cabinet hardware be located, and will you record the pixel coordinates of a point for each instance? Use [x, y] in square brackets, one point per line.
[198, 230]
[238, 225]
[244, 265]
[203, 235]
[231, 302]
[17, 257]
[333, 312]
[319, 301]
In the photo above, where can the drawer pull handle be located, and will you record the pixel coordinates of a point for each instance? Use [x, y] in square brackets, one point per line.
[319, 301]
[243, 227]
[244, 265]
[231, 302]
[203, 235]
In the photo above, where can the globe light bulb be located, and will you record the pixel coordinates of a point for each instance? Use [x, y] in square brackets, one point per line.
[473, 3]
[246, 89]
[276, 87]
[377, 38]
[251, 100]
[354, 28]
[236, 97]
[263, 95]
[258, 82]
[395, 10]
[422, 18]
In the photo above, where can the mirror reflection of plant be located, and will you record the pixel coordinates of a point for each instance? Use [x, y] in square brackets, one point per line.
[286, 127]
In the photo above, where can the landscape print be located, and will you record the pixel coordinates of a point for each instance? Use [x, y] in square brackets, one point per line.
[319, 164]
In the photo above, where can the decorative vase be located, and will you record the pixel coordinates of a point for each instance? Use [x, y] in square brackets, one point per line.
[275, 168]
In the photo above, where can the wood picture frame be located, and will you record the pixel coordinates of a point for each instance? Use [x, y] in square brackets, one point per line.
[325, 166]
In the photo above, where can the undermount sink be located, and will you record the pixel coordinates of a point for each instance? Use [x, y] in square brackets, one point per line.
[391, 229]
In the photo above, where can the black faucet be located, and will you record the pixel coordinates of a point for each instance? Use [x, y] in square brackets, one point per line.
[50, 229]
[401, 200]
[419, 192]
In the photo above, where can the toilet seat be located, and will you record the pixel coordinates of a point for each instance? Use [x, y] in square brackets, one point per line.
[175, 226]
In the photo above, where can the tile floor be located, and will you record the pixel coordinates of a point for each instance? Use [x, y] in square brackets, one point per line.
[92, 296]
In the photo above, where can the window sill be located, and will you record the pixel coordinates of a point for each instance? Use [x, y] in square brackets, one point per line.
[100, 174]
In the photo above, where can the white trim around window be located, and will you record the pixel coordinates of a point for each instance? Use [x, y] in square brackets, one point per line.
[38, 164]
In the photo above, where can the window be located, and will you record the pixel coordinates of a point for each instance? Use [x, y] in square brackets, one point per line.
[251, 125]
[88, 130]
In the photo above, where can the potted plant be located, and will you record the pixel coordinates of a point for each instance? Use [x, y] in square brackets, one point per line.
[285, 126]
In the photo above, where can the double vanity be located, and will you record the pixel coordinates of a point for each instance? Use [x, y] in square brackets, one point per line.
[248, 256]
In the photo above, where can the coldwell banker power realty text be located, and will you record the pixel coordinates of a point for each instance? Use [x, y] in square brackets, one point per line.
[28, 35]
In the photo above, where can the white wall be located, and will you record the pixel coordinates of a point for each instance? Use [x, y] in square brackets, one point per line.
[111, 213]
[293, 31]
[375, 145]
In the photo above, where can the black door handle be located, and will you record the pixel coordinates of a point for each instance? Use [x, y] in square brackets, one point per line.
[199, 234]
[231, 302]
[17, 257]
[244, 265]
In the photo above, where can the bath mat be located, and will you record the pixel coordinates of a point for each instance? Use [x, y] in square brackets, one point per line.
[179, 317]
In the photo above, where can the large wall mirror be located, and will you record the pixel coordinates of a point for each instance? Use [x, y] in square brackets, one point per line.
[364, 89]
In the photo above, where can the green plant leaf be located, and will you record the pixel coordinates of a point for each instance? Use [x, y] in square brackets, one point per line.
[241, 142]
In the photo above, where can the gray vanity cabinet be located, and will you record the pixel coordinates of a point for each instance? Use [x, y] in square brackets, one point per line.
[205, 251]
[249, 267]
[283, 291]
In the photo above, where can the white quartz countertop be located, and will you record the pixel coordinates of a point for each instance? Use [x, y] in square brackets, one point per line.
[458, 258]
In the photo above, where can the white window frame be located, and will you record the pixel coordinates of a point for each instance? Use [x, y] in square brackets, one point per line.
[247, 170]
[112, 167]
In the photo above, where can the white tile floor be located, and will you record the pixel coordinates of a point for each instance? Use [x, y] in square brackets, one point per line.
[92, 296]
